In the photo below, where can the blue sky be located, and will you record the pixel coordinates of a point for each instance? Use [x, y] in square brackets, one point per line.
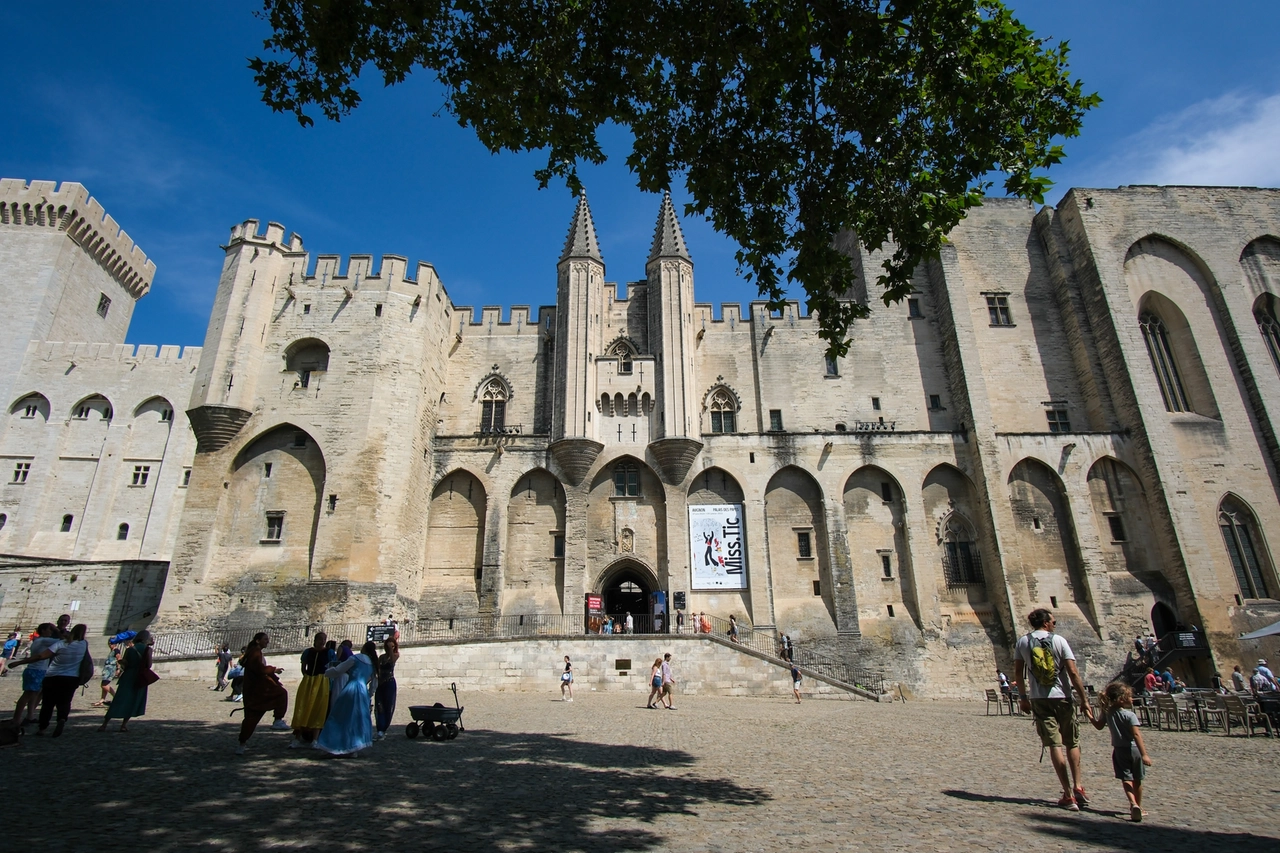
[150, 106]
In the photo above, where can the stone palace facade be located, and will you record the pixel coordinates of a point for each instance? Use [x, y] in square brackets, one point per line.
[1076, 409]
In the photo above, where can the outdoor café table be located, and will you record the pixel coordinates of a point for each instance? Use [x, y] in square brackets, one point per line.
[1197, 702]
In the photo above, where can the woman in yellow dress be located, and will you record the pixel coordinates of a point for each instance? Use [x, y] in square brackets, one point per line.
[311, 701]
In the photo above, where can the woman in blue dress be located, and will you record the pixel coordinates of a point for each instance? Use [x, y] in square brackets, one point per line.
[348, 728]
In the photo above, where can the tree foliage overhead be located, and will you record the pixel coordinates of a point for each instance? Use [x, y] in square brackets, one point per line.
[789, 121]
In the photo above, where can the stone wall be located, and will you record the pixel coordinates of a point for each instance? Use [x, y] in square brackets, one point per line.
[108, 597]
[701, 667]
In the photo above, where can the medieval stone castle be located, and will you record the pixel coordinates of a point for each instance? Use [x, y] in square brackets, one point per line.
[1076, 409]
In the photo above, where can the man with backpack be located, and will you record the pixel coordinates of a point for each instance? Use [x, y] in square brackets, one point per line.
[1046, 664]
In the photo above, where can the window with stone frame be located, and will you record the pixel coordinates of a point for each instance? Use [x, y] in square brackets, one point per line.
[626, 480]
[961, 560]
[1058, 420]
[1156, 336]
[141, 473]
[624, 353]
[1241, 537]
[998, 309]
[20, 472]
[275, 527]
[493, 406]
[1269, 326]
[724, 411]
[104, 305]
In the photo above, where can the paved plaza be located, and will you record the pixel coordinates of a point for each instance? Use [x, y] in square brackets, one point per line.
[604, 774]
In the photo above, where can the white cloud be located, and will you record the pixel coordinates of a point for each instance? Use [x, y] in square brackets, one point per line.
[1232, 140]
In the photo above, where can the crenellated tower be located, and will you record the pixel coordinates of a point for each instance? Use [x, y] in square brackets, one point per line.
[670, 275]
[578, 339]
[256, 268]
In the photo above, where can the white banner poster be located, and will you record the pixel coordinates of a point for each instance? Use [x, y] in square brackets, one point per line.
[717, 548]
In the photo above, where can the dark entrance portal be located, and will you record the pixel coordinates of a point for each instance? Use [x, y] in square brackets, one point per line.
[1163, 620]
[628, 591]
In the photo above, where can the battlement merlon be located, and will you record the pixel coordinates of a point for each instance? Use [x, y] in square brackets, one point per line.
[359, 271]
[87, 353]
[70, 209]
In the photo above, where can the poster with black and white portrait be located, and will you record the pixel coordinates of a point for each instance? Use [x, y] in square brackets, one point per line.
[717, 546]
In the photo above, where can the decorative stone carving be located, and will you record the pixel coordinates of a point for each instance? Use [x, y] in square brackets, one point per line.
[674, 456]
[575, 456]
[627, 541]
[216, 426]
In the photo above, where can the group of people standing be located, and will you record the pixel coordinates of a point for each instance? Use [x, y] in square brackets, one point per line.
[331, 711]
[58, 662]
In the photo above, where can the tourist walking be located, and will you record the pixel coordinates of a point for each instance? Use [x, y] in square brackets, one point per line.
[795, 682]
[37, 663]
[384, 700]
[1129, 757]
[110, 668]
[655, 683]
[1045, 664]
[132, 684]
[679, 621]
[668, 682]
[733, 628]
[566, 681]
[61, 676]
[787, 653]
[348, 728]
[311, 699]
[223, 665]
[263, 691]
[10, 650]
[628, 625]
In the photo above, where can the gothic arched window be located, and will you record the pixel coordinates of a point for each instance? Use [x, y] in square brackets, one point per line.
[724, 411]
[1240, 535]
[1156, 336]
[623, 352]
[1265, 314]
[961, 561]
[493, 406]
[626, 480]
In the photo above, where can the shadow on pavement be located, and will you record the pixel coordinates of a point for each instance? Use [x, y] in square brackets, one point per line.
[177, 786]
[1116, 832]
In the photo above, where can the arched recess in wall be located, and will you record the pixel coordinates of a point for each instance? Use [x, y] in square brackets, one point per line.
[25, 429]
[307, 359]
[1174, 358]
[1247, 549]
[1174, 296]
[533, 574]
[1261, 263]
[882, 574]
[1129, 548]
[276, 487]
[626, 517]
[950, 505]
[796, 532]
[455, 546]
[150, 428]
[1046, 537]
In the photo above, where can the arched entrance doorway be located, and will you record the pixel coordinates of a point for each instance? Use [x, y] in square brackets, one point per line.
[1163, 620]
[625, 587]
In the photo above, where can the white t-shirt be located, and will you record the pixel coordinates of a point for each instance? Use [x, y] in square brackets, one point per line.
[66, 660]
[43, 644]
[1061, 653]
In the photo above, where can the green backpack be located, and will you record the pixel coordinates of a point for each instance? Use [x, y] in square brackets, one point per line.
[1043, 664]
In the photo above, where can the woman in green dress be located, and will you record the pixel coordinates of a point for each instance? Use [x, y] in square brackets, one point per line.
[131, 692]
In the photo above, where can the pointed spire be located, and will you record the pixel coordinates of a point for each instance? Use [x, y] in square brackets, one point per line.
[668, 239]
[582, 242]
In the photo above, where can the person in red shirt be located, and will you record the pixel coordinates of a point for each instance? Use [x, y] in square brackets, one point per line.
[1150, 681]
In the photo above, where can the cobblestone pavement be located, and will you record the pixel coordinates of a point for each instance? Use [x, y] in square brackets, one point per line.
[604, 774]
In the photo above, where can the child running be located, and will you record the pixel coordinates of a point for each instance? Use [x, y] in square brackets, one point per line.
[1128, 752]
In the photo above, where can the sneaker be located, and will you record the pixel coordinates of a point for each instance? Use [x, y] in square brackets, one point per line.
[1081, 799]
[296, 744]
[1135, 814]
[240, 749]
[1068, 802]
[281, 726]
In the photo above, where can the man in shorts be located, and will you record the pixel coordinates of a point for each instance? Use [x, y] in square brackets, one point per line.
[668, 683]
[1051, 705]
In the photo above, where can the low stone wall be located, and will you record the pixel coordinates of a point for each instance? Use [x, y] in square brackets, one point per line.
[701, 667]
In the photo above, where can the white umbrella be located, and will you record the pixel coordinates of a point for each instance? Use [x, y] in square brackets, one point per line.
[1268, 631]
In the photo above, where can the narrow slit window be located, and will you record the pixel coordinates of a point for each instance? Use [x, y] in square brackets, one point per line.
[1156, 337]
[122, 532]
[66, 523]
